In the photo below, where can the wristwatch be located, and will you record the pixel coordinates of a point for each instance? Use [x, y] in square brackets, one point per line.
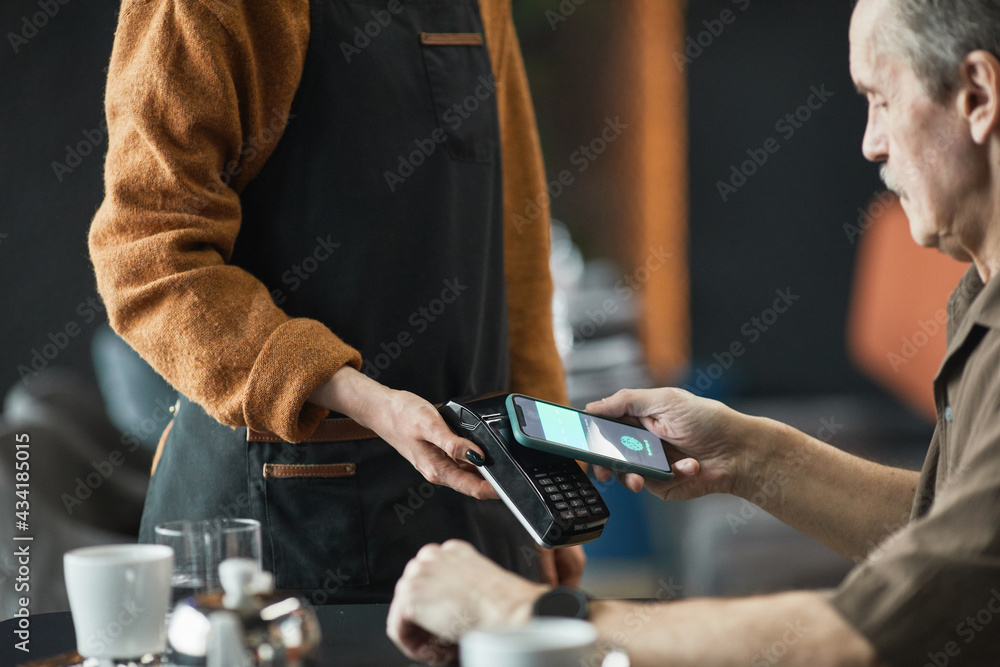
[563, 601]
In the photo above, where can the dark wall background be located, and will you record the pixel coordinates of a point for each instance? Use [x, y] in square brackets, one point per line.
[781, 230]
[51, 94]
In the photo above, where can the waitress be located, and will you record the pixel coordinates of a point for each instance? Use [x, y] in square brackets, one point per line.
[297, 192]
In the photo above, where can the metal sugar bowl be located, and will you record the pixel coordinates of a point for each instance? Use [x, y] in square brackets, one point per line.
[248, 626]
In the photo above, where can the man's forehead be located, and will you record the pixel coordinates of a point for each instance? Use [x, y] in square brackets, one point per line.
[867, 61]
[869, 17]
[862, 63]
[864, 70]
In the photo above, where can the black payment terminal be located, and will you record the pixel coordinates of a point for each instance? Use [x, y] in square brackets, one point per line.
[549, 494]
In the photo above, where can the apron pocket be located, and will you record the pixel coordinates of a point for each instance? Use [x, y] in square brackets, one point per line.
[464, 92]
[312, 515]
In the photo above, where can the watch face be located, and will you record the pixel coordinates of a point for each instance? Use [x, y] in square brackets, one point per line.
[564, 602]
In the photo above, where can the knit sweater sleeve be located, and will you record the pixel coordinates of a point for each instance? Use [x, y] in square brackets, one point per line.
[198, 95]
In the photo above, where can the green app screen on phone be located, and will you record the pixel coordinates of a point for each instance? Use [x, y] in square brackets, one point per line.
[588, 433]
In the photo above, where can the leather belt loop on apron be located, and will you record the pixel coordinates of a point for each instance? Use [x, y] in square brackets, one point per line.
[335, 430]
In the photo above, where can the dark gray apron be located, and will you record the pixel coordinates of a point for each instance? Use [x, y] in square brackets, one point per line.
[380, 215]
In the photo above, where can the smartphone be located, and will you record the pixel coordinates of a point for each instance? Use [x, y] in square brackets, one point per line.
[553, 428]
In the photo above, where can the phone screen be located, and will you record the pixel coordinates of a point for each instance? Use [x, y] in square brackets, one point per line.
[614, 440]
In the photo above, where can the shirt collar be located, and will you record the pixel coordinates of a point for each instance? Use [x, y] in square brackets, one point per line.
[984, 308]
[971, 304]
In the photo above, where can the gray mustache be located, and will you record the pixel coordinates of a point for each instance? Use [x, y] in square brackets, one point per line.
[890, 182]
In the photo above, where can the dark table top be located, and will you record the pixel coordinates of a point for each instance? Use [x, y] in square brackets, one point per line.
[353, 635]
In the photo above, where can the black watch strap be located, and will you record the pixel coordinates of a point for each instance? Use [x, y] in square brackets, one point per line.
[564, 602]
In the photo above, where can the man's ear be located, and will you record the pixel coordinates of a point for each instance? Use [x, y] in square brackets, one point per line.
[978, 96]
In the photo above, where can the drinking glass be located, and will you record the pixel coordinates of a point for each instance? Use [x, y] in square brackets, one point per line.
[199, 547]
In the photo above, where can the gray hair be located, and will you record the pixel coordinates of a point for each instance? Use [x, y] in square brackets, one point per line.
[935, 36]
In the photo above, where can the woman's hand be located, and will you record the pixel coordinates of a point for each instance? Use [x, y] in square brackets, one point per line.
[706, 441]
[562, 566]
[411, 425]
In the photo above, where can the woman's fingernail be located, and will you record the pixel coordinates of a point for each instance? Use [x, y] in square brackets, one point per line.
[474, 457]
[686, 467]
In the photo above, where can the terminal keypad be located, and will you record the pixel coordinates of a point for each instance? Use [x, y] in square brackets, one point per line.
[570, 494]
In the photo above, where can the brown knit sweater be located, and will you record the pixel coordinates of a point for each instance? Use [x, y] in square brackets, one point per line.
[198, 94]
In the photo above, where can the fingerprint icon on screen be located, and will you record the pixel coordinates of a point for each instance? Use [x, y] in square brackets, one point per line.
[632, 443]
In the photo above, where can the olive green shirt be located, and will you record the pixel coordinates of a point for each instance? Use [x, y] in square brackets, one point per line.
[930, 594]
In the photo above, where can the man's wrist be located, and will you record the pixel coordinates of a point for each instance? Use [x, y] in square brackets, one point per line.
[519, 608]
[759, 440]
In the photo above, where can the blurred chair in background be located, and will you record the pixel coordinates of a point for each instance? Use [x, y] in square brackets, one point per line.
[138, 400]
[88, 473]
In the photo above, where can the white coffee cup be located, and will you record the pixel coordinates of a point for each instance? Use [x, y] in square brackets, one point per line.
[119, 595]
[543, 642]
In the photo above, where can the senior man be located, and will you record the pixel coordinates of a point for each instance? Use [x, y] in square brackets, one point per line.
[927, 589]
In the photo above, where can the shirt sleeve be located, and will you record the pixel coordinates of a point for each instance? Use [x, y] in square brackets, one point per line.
[536, 369]
[197, 96]
[932, 591]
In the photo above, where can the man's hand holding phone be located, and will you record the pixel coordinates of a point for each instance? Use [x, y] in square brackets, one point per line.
[564, 431]
[706, 441]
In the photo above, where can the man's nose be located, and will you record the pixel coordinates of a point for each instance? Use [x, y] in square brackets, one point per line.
[875, 144]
